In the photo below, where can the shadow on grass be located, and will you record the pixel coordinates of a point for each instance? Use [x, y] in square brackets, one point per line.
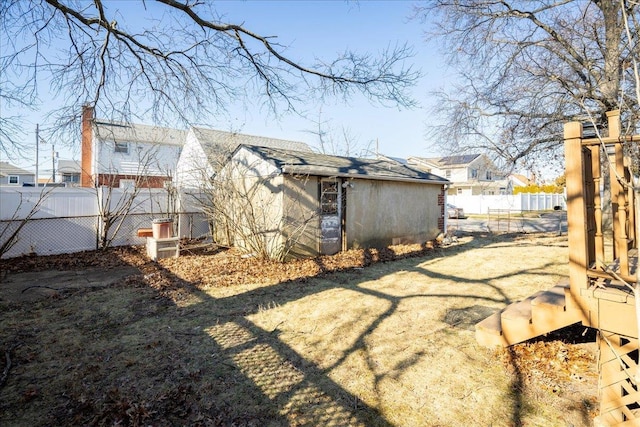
[200, 360]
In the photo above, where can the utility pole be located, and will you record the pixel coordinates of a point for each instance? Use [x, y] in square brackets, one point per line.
[53, 163]
[37, 152]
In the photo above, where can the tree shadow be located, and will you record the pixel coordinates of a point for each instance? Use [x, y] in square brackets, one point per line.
[285, 378]
[244, 373]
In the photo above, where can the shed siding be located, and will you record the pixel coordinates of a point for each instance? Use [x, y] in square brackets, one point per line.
[381, 213]
[253, 202]
[302, 227]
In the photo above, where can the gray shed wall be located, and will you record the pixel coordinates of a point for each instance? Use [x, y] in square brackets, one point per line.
[382, 213]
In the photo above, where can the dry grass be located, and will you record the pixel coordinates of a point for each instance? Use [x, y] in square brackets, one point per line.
[387, 344]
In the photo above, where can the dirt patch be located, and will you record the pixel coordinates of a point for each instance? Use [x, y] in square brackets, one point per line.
[376, 338]
[29, 287]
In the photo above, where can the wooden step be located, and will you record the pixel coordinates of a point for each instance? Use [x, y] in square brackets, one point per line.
[554, 309]
[505, 327]
[489, 332]
[517, 321]
[539, 314]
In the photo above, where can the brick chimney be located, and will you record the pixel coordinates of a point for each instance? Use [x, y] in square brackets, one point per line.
[86, 162]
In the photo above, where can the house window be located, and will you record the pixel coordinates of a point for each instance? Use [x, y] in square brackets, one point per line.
[474, 173]
[329, 198]
[13, 179]
[489, 175]
[459, 190]
[127, 184]
[121, 147]
[71, 177]
[447, 174]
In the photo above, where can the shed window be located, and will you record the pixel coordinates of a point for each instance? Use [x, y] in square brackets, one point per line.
[329, 198]
[13, 179]
[122, 147]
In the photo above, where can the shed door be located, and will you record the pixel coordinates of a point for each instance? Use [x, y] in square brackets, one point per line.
[330, 231]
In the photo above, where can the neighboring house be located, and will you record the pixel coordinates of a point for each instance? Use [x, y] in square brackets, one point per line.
[392, 159]
[68, 172]
[122, 155]
[13, 175]
[471, 174]
[206, 150]
[518, 180]
[304, 203]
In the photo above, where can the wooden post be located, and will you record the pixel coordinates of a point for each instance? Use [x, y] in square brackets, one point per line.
[576, 211]
[618, 195]
[597, 202]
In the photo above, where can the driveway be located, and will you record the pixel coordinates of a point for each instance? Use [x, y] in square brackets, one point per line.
[514, 223]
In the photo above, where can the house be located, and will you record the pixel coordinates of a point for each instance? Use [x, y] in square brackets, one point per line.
[122, 155]
[68, 172]
[13, 175]
[518, 180]
[470, 174]
[301, 203]
[206, 150]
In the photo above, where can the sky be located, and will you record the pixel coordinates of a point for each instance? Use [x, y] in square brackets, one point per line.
[322, 29]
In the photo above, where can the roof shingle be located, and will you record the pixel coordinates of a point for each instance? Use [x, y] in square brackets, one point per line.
[310, 163]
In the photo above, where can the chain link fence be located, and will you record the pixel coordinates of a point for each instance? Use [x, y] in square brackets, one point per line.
[52, 236]
[35, 222]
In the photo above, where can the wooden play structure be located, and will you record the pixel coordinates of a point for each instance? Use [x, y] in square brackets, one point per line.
[603, 255]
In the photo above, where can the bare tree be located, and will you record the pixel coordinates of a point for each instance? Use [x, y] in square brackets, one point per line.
[115, 205]
[256, 210]
[177, 59]
[337, 142]
[526, 67]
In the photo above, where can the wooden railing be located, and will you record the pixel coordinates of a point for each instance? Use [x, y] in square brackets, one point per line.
[597, 221]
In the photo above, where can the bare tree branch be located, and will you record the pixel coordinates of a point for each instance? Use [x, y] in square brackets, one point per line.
[179, 63]
[525, 68]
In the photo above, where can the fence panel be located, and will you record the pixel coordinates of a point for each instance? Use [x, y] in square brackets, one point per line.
[50, 236]
[480, 204]
[192, 222]
[67, 220]
[16, 203]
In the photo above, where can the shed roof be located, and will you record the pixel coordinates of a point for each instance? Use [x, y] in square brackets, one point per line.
[309, 163]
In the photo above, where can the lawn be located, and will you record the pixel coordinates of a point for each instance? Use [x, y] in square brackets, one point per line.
[371, 338]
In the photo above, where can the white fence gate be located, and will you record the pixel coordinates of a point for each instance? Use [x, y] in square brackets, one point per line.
[67, 220]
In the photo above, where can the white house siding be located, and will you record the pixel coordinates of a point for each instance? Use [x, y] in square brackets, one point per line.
[381, 213]
[457, 174]
[142, 159]
[193, 169]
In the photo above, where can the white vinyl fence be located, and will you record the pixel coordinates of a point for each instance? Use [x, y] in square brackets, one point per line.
[522, 202]
[67, 220]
